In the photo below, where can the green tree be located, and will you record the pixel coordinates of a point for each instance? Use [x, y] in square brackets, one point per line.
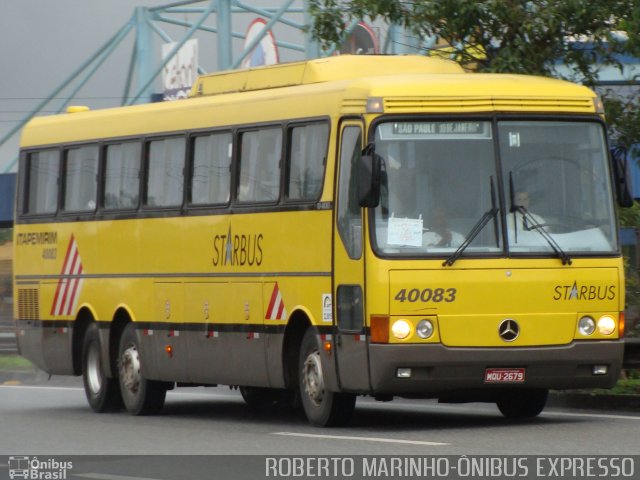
[515, 36]
[5, 235]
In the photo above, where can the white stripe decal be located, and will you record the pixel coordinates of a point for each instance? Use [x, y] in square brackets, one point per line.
[68, 291]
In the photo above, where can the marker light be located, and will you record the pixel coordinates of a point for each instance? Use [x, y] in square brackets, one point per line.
[77, 109]
[424, 328]
[586, 326]
[375, 105]
[403, 373]
[401, 329]
[606, 325]
[598, 104]
[379, 329]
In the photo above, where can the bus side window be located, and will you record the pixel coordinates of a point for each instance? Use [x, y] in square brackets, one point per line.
[349, 217]
[260, 155]
[42, 183]
[165, 181]
[81, 179]
[122, 176]
[211, 177]
[308, 150]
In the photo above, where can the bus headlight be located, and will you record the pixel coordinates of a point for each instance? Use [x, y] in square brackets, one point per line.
[424, 329]
[586, 326]
[401, 329]
[606, 325]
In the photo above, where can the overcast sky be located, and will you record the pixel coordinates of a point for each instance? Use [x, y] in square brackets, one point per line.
[43, 41]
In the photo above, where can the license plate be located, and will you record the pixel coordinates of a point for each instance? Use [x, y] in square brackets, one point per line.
[504, 375]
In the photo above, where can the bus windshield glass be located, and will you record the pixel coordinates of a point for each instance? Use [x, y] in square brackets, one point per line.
[557, 180]
[440, 188]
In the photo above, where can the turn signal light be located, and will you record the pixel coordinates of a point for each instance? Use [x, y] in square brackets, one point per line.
[621, 325]
[379, 329]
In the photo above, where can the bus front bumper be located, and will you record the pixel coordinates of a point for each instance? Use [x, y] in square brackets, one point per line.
[436, 370]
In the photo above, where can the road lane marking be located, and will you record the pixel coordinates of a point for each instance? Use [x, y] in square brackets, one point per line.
[38, 387]
[362, 439]
[416, 407]
[108, 476]
[203, 395]
[591, 415]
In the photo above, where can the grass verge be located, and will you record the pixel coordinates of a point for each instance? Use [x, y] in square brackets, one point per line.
[14, 363]
[628, 384]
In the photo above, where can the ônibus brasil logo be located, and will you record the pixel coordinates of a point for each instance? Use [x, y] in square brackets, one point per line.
[38, 469]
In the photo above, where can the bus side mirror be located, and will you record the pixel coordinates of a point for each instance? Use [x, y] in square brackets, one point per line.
[622, 176]
[369, 167]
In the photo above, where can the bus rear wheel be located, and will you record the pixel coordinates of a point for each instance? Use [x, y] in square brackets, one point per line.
[103, 393]
[526, 403]
[322, 407]
[140, 395]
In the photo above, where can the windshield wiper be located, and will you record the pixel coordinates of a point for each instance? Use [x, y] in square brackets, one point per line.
[477, 228]
[532, 224]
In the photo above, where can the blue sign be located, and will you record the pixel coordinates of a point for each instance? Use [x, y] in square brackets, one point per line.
[7, 196]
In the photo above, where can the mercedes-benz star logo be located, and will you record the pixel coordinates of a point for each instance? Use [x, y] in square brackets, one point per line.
[509, 330]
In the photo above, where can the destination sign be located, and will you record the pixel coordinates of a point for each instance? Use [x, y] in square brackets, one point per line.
[435, 130]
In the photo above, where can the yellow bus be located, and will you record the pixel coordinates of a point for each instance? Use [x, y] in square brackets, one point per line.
[314, 231]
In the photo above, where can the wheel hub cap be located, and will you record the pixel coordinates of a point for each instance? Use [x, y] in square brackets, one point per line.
[313, 379]
[94, 373]
[130, 369]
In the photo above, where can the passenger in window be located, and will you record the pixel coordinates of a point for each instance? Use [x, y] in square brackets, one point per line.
[439, 234]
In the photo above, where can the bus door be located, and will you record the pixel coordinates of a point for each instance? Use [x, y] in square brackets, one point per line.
[348, 256]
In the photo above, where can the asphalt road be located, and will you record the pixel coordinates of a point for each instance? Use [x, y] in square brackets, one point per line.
[56, 420]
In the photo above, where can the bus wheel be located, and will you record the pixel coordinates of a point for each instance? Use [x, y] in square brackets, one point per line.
[322, 407]
[140, 396]
[103, 393]
[522, 403]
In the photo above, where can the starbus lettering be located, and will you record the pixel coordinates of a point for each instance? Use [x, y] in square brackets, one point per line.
[584, 292]
[237, 250]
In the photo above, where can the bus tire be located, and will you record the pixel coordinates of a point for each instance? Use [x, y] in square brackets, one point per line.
[139, 395]
[527, 403]
[103, 393]
[322, 407]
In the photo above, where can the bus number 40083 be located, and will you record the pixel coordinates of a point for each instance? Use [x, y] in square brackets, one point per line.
[426, 295]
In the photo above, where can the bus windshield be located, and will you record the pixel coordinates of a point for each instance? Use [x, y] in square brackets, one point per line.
[442, 187]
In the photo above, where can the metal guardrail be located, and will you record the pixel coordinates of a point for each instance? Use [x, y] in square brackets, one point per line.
[8, 341]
